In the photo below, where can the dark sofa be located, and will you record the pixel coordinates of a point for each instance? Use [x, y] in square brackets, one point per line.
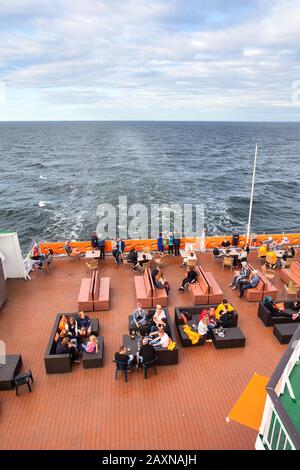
[194, 314]
[268, 320]
[61, 363]
[165, 357]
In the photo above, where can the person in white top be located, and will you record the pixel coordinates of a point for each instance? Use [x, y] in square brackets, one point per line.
[158, 315]
[162, 340]
[190, 260]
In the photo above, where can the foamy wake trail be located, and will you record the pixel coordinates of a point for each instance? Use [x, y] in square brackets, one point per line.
[42, 203]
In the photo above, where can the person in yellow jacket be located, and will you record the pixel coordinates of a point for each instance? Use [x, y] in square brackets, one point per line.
[271, 259]
[223, 307]
[262, 251]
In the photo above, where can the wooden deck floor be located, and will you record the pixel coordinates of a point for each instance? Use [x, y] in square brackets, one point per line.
[183, 407]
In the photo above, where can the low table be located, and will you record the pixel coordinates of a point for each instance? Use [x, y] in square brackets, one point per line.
[9, 370]
[132, 344]
[92, 254]
[233, 338]
[285, 331]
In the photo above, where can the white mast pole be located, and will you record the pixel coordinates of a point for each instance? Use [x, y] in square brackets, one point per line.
[252, 193]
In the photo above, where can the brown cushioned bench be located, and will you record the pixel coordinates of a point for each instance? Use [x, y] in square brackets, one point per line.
[159, 296]
[215, 294]
[263, 288]
[85, 297]
[200, 289]
[291, 274]
[143, 289]
[101, 292]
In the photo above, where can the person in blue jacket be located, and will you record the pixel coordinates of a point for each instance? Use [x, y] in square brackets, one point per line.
[160, 244]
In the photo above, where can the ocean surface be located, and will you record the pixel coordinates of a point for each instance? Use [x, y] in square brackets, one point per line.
[55, 174]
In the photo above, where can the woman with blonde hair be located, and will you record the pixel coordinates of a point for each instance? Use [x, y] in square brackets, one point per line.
[92, 346]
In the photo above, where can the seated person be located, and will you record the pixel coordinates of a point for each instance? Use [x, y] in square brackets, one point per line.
[239, 275]
[262, 251]
[158, 279]
[271, 259]
[65, 346]
[146, 353]
[139, 317]
[162, 324]
[224, 315]
[191, 278]
[162, 339]
[132, 256]
[71, 328]
[268, 243]
[295, 306]
[84, 324]
[158, 317]
[71, 251]
[243, 255]
[190, 260]
[207, 322]
[289, 253]
[62, 323]
[92, 346]
[284, 242]
[125, 359]
[49, 256]
[217, 253]
[275, 311]
[253, 281]
[225, 243]
[223, 306]
[140, 264]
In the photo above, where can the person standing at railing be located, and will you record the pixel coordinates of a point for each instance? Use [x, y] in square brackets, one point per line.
[177, 242]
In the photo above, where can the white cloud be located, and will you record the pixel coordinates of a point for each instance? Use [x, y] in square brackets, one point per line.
[96, 54]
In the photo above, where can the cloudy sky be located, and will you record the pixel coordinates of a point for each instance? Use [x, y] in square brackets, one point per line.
[150, 60]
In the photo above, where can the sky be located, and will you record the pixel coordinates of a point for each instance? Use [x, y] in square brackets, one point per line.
[150, 60]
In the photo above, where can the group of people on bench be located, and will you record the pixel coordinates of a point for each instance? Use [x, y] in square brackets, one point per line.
[211, 318]
[244, 279]
[237, 258]
[39, 259]
[74, 335]
[155, 333]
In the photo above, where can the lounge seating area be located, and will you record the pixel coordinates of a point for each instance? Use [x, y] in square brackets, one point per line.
[165, 356]
[263, 288]
[291, 274]
[62, 363]
[205, 289]
[146, 293]
[94, 293]
[268, 320]
[192, 315]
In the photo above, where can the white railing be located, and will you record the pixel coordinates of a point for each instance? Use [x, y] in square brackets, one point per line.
[274, 436]
[28, 262]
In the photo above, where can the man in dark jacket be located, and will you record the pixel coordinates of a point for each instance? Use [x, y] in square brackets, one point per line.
[123, 358]
[191, 278]
[94, 241]
[146, 353]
